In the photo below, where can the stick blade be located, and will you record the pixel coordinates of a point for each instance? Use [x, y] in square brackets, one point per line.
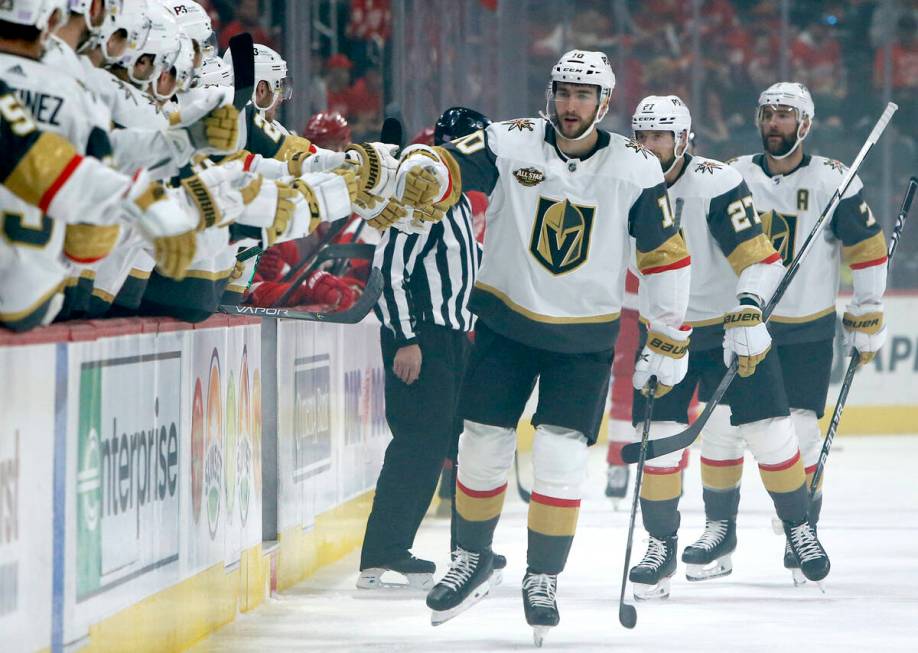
[392, 132]
[627, 615]
[242, 50]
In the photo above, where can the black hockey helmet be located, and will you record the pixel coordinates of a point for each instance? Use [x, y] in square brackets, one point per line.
[457, 122]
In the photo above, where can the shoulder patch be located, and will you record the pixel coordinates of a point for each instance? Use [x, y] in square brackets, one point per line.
[519, 124]
[632, 144]
[708, 166]
[529, 177]
[835, 165]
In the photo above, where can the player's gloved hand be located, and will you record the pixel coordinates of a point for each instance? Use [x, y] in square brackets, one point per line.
[376, 168]
[166, 223]
[217, 131]
[349, 173]
[746, 336]
[271, 265]
[865, 330]
[383, 215]
[267, 293]
[430, 213]
[322, 287]
[287, 200]
[87, 243]
[665, 356]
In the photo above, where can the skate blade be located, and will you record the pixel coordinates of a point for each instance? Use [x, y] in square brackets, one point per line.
[799, 578]
[538, 634]
[497, 577]
[658, 592]
[371, 579]
[438, 617]
[777, 526]
[720, 567]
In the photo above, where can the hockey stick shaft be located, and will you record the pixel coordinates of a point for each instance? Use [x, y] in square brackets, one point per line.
[627, 614]
[854, 362]
[296, 276]
[525, 494]
[685, 438]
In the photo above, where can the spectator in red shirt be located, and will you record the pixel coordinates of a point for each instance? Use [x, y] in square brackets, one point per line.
[904, 58]
[247, 20]
[817, 59]
[338, 82]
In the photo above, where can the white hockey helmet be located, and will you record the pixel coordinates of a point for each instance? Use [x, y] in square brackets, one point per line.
[581, 67]
[184, 63]
[195, 22]
[213, 72]
[794, 95]
[133, 21]
[162, 43]
[664, 113]
[35, 13]
[111, 8]
[270, 68]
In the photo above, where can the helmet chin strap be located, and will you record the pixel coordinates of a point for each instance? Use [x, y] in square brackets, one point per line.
[779, 157]
[677, 157]
[600, 114]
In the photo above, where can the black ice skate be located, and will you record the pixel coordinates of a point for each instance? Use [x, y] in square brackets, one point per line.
[651, 575]
[539, 603]
[418, 574]
[710, 556]
[790, 563]
[465, 584]
[500, 562]
[617, 483]
[808, 553]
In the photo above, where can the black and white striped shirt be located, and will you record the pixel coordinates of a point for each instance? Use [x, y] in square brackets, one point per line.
[429, 277]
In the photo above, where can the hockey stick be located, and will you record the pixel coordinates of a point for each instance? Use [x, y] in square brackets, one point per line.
[684, 438]
[297, 275]
[242, 50]
[353, 315]
[525, 494]
[627, 614]
[854, 363]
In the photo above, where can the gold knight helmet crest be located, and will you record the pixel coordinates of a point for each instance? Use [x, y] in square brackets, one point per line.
[561, 235]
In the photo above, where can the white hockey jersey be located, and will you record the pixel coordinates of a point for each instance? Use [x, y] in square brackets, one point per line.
[561, 233]
[790, 205]
[714, 211]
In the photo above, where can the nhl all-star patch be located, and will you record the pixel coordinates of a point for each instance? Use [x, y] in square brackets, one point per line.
[529, 177]
[708, 166]
[632, 144]
[520, 124]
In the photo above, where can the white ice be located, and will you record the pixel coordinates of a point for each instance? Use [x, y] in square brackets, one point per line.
[869, 526]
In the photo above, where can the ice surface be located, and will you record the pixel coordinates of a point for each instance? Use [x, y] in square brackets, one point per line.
[869, 527]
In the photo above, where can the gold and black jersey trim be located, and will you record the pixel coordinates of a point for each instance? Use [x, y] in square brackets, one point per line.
[752, 251]
[669, 255]
[43, 170]
[546, 319]
[868, 252]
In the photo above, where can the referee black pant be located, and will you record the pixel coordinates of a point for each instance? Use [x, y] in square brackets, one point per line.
[422, 418]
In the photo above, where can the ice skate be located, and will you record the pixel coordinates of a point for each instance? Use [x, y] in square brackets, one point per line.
[465, 584]
[500, 562]
[807, 552]
[711, 556]
[539, 604]
[790, 562]
[652, 574]
[418, 575]
[617, 483]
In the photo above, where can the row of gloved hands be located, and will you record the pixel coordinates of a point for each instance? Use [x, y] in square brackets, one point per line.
[665, 356]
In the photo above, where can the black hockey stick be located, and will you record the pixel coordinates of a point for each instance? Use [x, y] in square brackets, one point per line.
[352, 315]
[627, 614]
[525, 494]
[297, 275]
[854, 362]
[242, 50]
[663, 446]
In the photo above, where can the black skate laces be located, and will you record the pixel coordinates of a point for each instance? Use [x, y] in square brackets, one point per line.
[714, 531]
[540, 589]
[656, 554]
[461, 568]
[805, 544]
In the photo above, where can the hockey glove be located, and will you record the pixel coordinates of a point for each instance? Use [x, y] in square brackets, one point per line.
[384, 215]
[287, 199]
[665, 356]
[746, 336]
[376, 167]
[865, 330]
[165, 223]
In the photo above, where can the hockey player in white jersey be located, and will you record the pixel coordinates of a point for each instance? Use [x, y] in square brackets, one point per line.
[735, 270]
[570, 205]
[790, 189]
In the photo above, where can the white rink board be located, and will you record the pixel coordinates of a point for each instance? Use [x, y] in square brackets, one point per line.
[869, 527]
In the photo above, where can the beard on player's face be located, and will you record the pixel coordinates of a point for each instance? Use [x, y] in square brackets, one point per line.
[777, 143]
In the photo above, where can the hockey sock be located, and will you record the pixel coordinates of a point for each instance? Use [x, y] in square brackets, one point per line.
[786, 483]
[660, 492]
[816, 499]
[721, 480]
[552, 523]
[477, 514]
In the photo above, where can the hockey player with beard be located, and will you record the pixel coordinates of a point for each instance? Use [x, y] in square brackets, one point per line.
[790, 189]
[570, 206]
[735, 270]
[34, 243]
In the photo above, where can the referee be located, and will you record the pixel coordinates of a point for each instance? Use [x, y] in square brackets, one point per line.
[425, 346]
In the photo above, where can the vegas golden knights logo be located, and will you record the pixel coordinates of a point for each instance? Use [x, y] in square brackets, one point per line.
[561, 235]
[781, 228]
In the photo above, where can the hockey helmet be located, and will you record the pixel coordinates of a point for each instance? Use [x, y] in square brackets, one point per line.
[162, 43]
[328, 130]
[794, 95]
[457, 122]
[184, 63]
[110, 9]
[35, 13]
[133, 21]
[213, 72]
[270, 68]
[581, 67]
[664, 113]
[195, 22]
